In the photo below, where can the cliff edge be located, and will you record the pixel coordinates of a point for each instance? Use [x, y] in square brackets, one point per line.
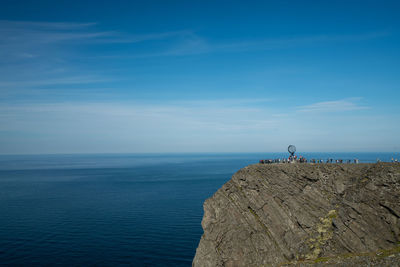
[304, 214]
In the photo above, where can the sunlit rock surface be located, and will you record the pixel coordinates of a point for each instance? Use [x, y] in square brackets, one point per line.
[302, 214]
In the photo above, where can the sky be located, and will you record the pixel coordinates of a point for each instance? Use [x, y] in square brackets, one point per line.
[199, 76]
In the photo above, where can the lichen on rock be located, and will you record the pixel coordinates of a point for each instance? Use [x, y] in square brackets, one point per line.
[324, 233]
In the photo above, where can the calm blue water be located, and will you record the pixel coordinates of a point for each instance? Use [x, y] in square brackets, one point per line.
[107, 210]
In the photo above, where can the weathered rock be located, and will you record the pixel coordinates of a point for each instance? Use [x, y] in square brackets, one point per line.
[284, 214]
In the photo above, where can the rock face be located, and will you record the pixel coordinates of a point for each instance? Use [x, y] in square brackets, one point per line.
[301, 214]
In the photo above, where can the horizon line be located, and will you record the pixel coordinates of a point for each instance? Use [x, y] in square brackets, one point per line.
[180, 153]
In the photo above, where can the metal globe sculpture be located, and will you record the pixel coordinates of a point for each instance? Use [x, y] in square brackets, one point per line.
[291, 149]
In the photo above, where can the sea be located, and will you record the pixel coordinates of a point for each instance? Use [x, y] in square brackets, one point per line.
[115, 209]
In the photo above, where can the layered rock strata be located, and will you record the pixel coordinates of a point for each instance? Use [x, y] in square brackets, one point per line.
[302, 214]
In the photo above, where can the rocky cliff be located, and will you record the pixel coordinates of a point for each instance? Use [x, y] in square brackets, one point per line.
[304, 214]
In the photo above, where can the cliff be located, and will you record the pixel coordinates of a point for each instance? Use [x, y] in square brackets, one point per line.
[304, 214]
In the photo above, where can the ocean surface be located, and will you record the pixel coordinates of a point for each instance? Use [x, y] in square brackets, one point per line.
[112, 209]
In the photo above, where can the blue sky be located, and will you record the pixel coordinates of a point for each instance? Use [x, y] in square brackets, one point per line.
[199, 76]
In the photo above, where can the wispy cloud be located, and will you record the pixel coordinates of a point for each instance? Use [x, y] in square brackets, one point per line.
[348, 104]
[19, 35]
[223, 102]
[53, 81]
[12, 24]
[191, 43]
[26, 39]
[31, 51]
[43, 32]
[136, 38]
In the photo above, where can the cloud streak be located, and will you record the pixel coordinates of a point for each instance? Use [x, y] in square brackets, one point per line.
[193, 44]
[348, 104]
[50, 32]
[54, 81]
[29, 40]
[12, 24]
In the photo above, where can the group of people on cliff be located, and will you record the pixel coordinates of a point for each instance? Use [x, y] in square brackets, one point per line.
[302, 159]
